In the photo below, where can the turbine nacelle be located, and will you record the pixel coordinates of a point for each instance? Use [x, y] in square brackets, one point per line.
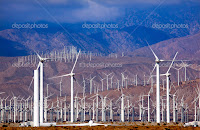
[158, 61]
[41, 58]
[44, 59]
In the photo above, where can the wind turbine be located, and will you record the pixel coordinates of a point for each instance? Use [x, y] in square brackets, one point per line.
[91, 79]
[71, 74]
[157, 60]
[167, 74]
[111, 84]
[122, 108]
[107, 75]
[96, 97]
[174, 107]
[196, 115]
[148, 103]
[42, 60]
[185, 66]
[102, 83]
[178, 70]
[46, 106]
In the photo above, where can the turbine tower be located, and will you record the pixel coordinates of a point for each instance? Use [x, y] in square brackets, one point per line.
[36, 99]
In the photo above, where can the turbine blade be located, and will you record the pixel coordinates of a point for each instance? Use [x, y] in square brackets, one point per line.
[30, 83]
[6, 98]
[152, 51]
[93, 77]
[162, 74]
[107, 94]
[12, 93]
[162, 60]
[38, 55]
[60, 76]
[172, 62]
[152, 72]
[75, 62]
[48, 58]
[38, 66]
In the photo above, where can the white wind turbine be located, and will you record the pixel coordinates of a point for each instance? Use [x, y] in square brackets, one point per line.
[72, 86]
[178, 71]
[103, 110]
[91, 79]
[107, 75]
[167, 74]
[111, 84]
[96, 97]
[148, 103]
[102, 83]
[121, 98]
[40, 65]
[185, 66]
[46, 106]
[174, 106]
[195, 105]
[157, 60]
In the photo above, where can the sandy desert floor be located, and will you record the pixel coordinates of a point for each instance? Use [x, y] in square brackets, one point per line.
[116, 126]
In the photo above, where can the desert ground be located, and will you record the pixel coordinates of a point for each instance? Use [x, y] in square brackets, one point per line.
[116, 125]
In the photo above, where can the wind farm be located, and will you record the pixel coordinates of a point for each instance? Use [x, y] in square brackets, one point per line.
[105, 97]
[100, 64]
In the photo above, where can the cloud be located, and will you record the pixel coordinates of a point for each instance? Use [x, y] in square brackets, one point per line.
[71, 10]
[97, 12]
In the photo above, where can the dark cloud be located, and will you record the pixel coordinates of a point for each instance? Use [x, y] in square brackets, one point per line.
[70, 10]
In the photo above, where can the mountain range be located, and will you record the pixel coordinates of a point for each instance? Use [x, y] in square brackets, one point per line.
[134, 28]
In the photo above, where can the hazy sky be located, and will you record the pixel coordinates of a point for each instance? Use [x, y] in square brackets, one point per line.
[71, 10]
